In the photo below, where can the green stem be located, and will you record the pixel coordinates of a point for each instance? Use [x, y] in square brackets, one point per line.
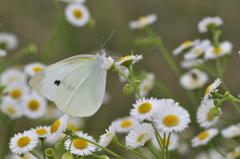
[153, 152]
[34, 154]
[43, 148]
[227, 121]
[131, 150]
[214, 147]
[135, 85]
[219, 68]
[105, 149]
[6, 139]
[119, 72]
[164, 51]
[52, 40]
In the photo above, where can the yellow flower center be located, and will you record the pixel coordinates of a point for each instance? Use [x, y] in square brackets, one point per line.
[72, 128]
[186, 43]
[126, 123]
[146, 87]
[170, 120]
[203, 135]
[41, 131]
[36, 69]
[197, 51]
[217, 50]
[10, 110]
[23, 141]
[80, 144]
[144, 108]
[210, 117]
[208, 89]
[125, 58]
[78, 14]
[55, 126]
[234, 154]
[33, 104]
[16, 93]
[141, 137]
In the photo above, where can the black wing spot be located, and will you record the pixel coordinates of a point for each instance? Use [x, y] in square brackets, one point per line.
[57, 82]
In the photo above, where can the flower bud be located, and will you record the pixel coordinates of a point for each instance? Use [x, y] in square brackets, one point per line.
[128, 89]
[30, 50]
[215, 111]
[67, 155]
[59, 147]
[217, 102]
[104, 157]
[91, 23]
[49, 152]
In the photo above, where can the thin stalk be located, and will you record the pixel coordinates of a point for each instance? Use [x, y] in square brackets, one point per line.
[43, 148]
[214, 147]
[52, 40]
[164, 51]
[131, 150]
[34, 154]
[227, 121]
[153, 152]
[135, 85]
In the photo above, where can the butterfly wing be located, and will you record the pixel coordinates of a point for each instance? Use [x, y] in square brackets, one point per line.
[47, 80]
[82, 90]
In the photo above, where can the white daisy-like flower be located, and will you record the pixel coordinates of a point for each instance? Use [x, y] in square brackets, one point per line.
[31, 68]
[35, 106]
[172, 143]
[204, 137]
[77, 14]
[26, 155]
[107, 64]
[193, 79]
[171, 117]
[146, 84]
[81, 147]
[125, 124]
[208, 23]
[204, 116]
[234, 154]
[139, 135]
[12, 108]
[185, 46]
[129, 60]
[23, 142]
[74, 1]
[143, 21]
[42, 131]
[12, 75]
[57, 128]
[231, 131]
[3, 52]
[211, 88]
[8, 41]
[17, 90]
[197, 50]
[191, 63]
[215, 52]
[144, 109]
[106, 138]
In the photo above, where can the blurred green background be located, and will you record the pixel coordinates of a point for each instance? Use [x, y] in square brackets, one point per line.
[33, 21]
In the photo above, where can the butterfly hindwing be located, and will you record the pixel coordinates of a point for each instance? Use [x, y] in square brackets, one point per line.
[81, 92]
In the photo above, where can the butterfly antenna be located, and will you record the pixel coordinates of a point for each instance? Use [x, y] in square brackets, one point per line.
[109, 37]
[101, 40]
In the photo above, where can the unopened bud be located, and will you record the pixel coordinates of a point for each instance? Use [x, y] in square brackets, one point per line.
[30, 50]
[59, 147]
[91, 23]
[128, 89]
[67, 155]
[49, 152]
[138, 82]
[217, 102]
[215, 111]
[104, 157]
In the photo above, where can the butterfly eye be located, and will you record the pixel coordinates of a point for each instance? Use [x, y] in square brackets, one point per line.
[57, 82]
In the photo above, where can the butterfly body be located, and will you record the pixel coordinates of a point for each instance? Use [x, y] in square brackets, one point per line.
[76, 84]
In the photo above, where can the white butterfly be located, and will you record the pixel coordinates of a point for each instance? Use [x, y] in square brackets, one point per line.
[76, 84]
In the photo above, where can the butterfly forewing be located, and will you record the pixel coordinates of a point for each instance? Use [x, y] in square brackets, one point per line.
[81, 91]
[47, 80]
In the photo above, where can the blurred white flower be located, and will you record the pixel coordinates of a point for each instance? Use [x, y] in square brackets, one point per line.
[8, 41]
[215, 52]
[185, 46]
[208, 23]
[143, 21]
